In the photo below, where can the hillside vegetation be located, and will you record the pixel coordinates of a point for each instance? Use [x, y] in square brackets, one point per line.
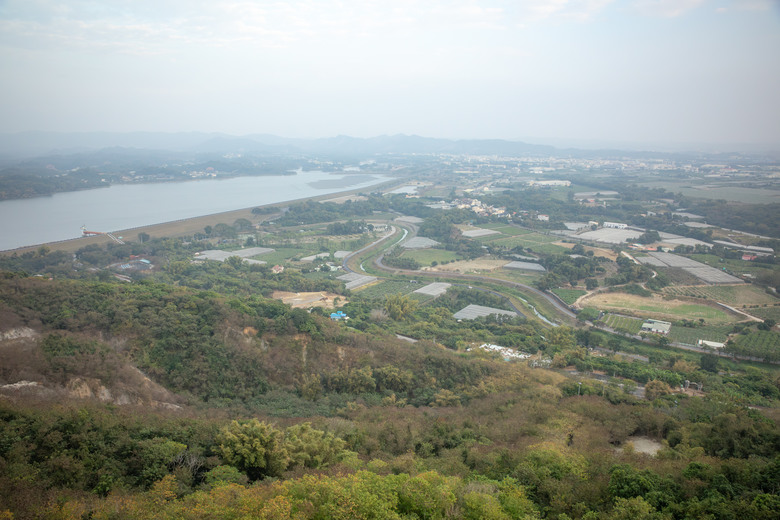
[351, 425]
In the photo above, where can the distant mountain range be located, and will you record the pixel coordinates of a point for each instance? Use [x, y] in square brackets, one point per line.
[34, 144]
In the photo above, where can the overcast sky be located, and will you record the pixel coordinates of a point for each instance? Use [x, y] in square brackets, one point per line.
[644, 71]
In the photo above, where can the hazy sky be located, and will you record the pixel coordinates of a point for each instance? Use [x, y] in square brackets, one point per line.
[655, 71]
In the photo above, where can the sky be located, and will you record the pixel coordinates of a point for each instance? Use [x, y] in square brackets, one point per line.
[655, 72]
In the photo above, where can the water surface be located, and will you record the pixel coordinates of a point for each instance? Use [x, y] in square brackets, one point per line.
[28, 222]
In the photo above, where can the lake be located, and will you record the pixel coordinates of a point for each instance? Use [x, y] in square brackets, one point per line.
[29, 222]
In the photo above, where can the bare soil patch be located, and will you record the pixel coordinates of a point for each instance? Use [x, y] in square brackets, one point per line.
[645, 445]
[304, 300]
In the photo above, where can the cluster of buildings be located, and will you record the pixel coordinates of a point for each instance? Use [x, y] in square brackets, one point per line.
[478, 207]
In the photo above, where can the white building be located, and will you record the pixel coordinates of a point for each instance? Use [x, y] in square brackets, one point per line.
[710, 344]
[615, 225]
[656, 327]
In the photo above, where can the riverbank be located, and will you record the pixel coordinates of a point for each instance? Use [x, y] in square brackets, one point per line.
[192, 225]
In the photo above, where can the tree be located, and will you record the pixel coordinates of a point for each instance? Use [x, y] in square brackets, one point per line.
[399, 307]
[255, 447]
[632, 509]
[591, 283]
[312, 448]
[648, 237]
[242, 224]
[143, 237]
[655, 389]
[709, 362]
[234, 262]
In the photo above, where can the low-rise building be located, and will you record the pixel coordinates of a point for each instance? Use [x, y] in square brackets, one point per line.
[656, 327]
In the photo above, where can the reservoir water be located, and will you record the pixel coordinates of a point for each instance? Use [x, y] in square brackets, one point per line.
[28, 222]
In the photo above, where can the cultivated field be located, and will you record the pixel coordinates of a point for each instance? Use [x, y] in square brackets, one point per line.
[770, 312]
[569, 296]
[657, 308]
[535, 241]
[691, 335]
[623, 323]
[734, 295]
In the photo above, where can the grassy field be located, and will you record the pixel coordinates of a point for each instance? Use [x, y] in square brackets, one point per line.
[692, 335]
[658, 308]
[426, 257]
[569, 295]
[734, 295]
[623, 323]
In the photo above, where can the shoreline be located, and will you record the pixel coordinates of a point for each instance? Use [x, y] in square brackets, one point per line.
[190, 225]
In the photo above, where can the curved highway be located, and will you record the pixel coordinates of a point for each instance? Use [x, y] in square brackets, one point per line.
[560, 307]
